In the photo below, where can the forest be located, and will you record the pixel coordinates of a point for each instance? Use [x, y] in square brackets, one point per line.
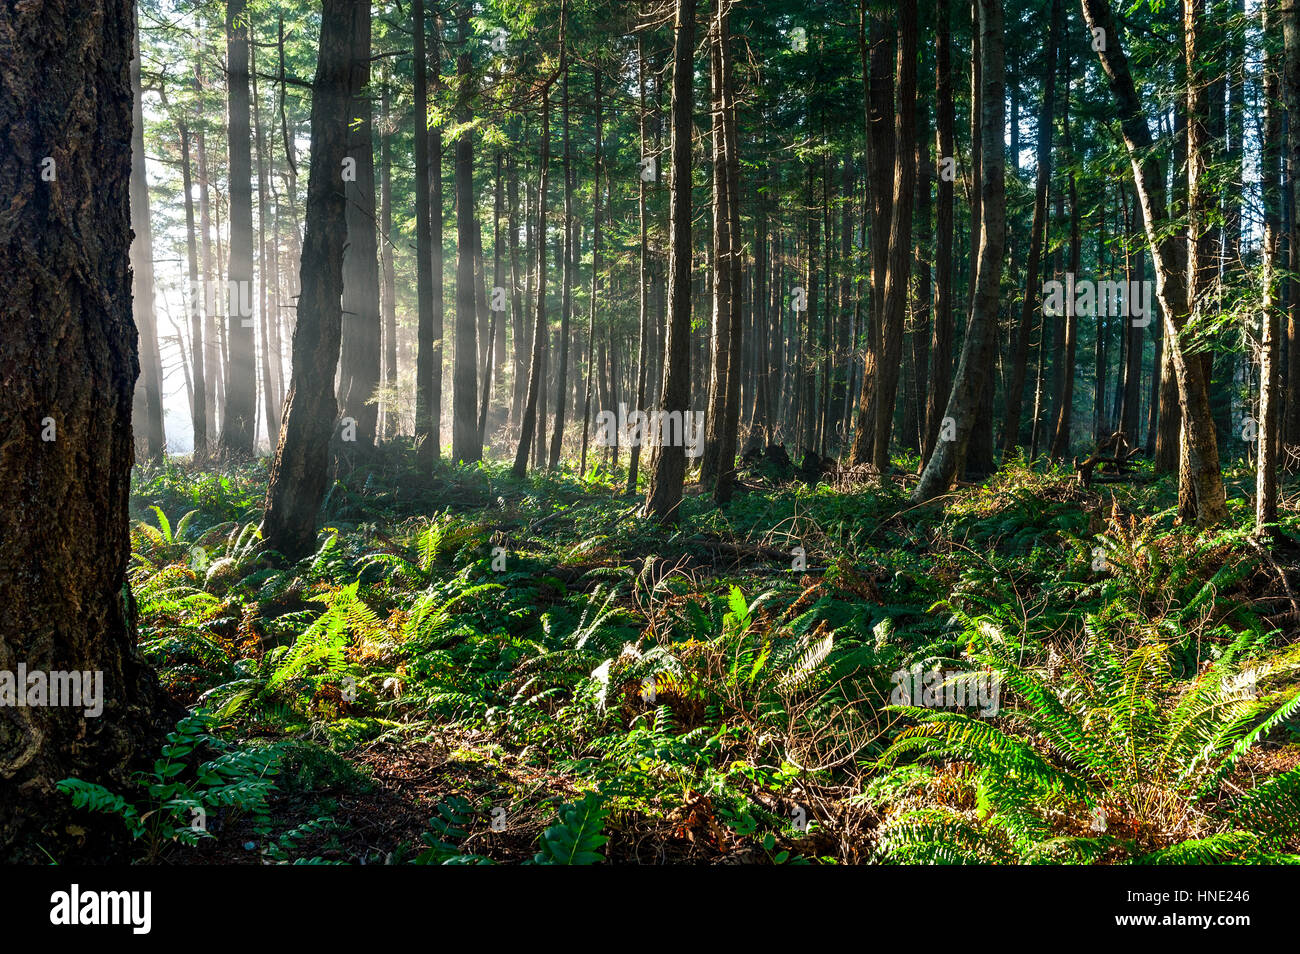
[660, 432]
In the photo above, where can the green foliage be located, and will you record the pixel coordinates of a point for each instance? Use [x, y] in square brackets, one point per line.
[1105, 754]
[575, 838]
[176, 798]
[705, 703]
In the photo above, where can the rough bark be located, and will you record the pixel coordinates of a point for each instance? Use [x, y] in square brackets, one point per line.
[68, 365]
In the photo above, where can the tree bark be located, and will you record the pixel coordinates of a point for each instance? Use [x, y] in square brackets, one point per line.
[465, 444]
[142, 272]
[238, 420]
[1038, 229]
[1201, 470]
[299, 471]
[566, 277]
[389, 299]
[1270, 345]
[900, 235]
[362, 329]
[198, 402]
[973, 368]
[664, 497]
[68, 366]
[940, 376]
[528, 429]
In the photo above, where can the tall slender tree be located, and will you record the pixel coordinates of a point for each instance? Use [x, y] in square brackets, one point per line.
[299, 470]
[664, 496]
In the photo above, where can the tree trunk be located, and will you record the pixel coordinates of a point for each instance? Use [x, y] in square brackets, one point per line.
[238, 422]
[730, 434]
[664, 497]
[389, 298]
[496, 333]
[644, 341]
[900, 235]
[465, 445]
[1290, 18]
[211, 342]
[360, 347]
[428, 267]
[879, 94]
[940, 376]
[68, 360]
[977, 349]
[1270, 346]
[142, 273]
[1060, 445]
[528, 429]
[566, 264]
[595, 276]
[1033, 269]
[1201, 469]
[518, 320]
[299, 471]
[198, 402]
[719, 350]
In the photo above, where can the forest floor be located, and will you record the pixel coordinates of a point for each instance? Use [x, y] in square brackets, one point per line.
[473, 668]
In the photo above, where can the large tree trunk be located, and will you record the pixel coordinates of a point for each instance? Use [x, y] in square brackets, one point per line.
[360, 347]
[1200, 470]
[299, 471]
[1200, 234]
[973, 368]
[238, 420]
[664, 496]
[68, 363]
